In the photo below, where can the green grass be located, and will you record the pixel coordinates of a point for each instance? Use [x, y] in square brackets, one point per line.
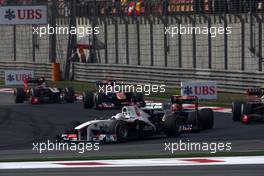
[224, 99]
[2, 83]
[178, 155]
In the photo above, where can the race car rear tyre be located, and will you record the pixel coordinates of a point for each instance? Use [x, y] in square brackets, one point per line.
[19, 95]
[172, 126]
[88, 100]
[69, 95]
[246, 109]
[236, 110]
[206, 117]
[120, 129]
[34, 92]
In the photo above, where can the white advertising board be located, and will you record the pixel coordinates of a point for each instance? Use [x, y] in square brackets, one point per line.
[17, 77]
[23, 15]
[203, 90]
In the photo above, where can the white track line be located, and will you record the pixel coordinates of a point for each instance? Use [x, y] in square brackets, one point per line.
[6, 90]
[250, 160]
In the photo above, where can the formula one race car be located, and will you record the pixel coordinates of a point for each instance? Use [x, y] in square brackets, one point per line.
[36, 91]
[111, 99]
[252, 110]
[137, 123]
[195, 119]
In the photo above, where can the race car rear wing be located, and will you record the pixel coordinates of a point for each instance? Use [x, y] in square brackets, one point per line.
[184, 99]
[30, 82]
[101, 83]
[255, 91]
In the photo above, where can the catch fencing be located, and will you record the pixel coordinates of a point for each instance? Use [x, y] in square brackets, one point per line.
[138, 41]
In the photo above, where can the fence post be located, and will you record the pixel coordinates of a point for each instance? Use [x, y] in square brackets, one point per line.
[180, 46]
[225, 42]
[151, 41]
[53, 37]
[194, 45]
[260, 46]
[71, 40]
[242, 42]
[179, 41]
[33, 46]
[116, 42]
[138, 43]
[14, 42]
[208, 19]
[165, 42]
[127, 42]
[253, 49]
[138, 40]
[105, 41]
[194, 40]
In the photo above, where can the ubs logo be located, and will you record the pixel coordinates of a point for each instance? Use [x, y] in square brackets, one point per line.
[10, 14]
[23, 14]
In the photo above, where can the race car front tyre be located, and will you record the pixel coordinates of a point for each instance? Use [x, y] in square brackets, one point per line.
[69, 95]
[206, 118]
[88, 100]
[19, 95]
[120, 129]
[98, 101]
[236, 110]
[172, 126]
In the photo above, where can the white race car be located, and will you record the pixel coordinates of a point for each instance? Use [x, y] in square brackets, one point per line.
[135, 123]
[132, 123]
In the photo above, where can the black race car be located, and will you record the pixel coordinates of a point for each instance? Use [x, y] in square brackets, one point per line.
[36, 91]
[195, 119]
[110, 100]
[251, 110]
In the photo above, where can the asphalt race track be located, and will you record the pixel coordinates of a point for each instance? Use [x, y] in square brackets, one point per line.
[23, 124]
[240, 170]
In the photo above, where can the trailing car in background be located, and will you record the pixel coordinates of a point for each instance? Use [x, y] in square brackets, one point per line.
[36, 91]
[112, 99]
[251, 110]
[139, 123]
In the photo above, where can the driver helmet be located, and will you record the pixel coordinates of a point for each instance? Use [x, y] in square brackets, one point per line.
[119, 116]
[176, 107]
[262, 99]
[42, 79]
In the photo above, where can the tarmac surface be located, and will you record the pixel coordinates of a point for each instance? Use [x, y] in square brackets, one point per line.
[23, 124]
[235, 170]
